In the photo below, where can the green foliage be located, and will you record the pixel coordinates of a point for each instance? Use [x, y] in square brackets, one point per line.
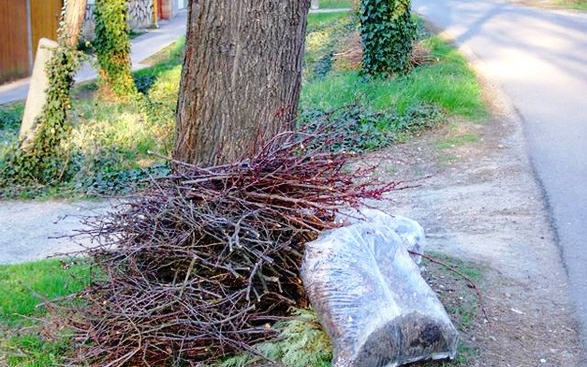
[580, 5]
[112, 45]
[447, 83]
[34, 351]
[10, 120]
[110, 142]
[301, 343]
[360, 130]
[372, 113]
[387, 32]
[11, 117]
[164, 73]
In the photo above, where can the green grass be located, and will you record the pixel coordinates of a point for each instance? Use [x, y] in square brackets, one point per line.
[23, 290]
[23, 286]
[324, 36]
[335, 4]
[31, 350]
[448, 83]
[10, 119]
[324, 21]
[372, 113]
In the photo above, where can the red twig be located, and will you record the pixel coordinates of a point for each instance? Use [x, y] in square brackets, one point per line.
[203, 263]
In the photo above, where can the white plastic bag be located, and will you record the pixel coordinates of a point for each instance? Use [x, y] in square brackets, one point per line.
[372, 300]
[410, 232]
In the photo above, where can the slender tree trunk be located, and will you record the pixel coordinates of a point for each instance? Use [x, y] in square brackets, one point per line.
[75, 11]
[241, 77]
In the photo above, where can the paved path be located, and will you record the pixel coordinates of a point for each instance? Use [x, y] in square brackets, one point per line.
[539, 58]
[35, 230]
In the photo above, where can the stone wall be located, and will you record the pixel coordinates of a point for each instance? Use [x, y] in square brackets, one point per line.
[140, 15]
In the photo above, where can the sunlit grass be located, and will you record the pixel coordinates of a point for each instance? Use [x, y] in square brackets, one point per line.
[335, 4]
[447, 83]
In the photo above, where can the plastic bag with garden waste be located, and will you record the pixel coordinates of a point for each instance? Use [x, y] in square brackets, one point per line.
[372, 300]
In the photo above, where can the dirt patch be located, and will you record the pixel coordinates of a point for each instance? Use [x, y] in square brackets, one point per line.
[475, 194]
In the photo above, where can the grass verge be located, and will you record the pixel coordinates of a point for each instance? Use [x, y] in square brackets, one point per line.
[23, 289]
[580, 5]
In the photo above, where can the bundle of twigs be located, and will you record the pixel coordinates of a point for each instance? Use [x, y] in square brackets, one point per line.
[204, 262]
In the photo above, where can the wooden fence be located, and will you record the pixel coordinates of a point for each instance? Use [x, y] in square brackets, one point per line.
[22, 24]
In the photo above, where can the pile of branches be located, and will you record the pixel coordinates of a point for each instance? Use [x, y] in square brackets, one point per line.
[205, 261]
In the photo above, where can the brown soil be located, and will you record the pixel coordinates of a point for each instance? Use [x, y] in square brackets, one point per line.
[474, 191]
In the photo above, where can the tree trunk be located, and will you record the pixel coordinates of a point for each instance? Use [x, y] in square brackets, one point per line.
[387, 32]
[112, 44]
[75, 11]
[241, 77]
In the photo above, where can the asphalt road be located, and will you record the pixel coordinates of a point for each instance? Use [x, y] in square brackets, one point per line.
[539, 59]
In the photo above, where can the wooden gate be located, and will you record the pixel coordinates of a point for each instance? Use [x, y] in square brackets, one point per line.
[22, 24]
[14, 46]
[44, 20]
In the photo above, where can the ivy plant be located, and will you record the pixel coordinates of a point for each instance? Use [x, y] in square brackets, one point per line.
[387, 32]
[112, 46]
[44, 159]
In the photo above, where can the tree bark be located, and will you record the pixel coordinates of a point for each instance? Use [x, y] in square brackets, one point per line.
[241, 77]
[75, 11]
